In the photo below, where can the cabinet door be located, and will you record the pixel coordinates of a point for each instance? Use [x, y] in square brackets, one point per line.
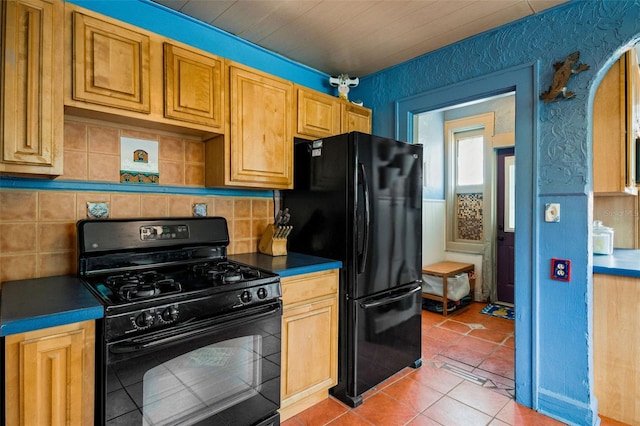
[261, 133]
[309, 338]
[634, 88]
[50, 376]
[318, 114]
[111, 64]
[631, 84]
[609, 132]
[31, 89]
[192, 87]
[616, 370]
[355, 118]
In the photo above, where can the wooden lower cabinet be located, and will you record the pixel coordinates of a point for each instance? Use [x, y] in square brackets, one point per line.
[616, 342]
[309, 340]
[49, 377]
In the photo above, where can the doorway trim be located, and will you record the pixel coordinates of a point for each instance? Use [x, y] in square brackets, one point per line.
[522, 81]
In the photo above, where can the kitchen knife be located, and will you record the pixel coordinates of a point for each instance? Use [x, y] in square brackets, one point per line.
[278, 218]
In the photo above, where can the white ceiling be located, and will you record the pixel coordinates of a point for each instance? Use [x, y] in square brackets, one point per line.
[356, 37]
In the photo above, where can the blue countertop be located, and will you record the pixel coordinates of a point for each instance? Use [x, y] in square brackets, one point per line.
[287, 265]
[32, 304]
[624, 262]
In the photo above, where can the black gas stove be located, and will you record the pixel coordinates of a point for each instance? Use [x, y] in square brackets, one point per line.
[152, 273]
[188, 336]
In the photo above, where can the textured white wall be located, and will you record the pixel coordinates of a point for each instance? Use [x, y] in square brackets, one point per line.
[433, 231]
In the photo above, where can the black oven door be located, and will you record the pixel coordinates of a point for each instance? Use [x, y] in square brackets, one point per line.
[219, 371]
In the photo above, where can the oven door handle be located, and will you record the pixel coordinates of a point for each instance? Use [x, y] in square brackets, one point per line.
[194, 330]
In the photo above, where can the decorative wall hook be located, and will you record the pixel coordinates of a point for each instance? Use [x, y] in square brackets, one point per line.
[564, 71]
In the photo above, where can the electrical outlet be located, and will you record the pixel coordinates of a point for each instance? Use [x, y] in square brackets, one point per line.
[560, 269]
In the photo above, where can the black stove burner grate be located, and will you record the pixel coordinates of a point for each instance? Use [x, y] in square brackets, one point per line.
[225, 272]
[148, 284]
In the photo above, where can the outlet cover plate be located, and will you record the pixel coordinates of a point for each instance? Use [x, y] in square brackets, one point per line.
[560, 269]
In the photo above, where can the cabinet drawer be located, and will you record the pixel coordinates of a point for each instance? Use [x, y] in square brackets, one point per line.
[309, 286]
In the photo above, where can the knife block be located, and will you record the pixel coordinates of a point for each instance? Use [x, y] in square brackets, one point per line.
[271, 245]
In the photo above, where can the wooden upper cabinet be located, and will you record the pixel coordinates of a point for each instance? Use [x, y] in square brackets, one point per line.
[633, 97]
[125, 74]
[355, 119]
[321, 115]
[615, 128]
[261, 139]
[318, 114]
[110, 64]
[193, 89]
[32, 121]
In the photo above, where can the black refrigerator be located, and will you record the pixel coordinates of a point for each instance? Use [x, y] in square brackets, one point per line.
[357, 198]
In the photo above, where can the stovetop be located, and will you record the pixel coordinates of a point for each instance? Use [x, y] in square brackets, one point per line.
[156, 273]
[128, 287]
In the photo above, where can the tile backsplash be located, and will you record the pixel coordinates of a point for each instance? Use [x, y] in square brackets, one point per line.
[37, 227]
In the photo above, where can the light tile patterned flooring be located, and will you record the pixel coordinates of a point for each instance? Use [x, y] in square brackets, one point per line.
[466, 379]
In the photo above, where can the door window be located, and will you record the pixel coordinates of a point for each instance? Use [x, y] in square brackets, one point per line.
[510, 194]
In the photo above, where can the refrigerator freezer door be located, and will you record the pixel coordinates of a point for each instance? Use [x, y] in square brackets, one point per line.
[384, 340]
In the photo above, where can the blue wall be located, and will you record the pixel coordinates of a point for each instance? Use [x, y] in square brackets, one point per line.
[554, 366]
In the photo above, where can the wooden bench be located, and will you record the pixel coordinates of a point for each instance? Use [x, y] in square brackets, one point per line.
[445, 270]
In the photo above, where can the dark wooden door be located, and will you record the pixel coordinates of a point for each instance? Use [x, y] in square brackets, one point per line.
[506, 225]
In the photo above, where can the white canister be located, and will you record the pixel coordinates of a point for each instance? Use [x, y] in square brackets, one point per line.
[602, 238]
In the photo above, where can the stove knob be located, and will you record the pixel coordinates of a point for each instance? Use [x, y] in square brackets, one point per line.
[245, 296]
[170, 314]
[145, 319]
[262, 293]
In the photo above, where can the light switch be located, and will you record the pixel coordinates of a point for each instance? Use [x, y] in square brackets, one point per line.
[552, 212]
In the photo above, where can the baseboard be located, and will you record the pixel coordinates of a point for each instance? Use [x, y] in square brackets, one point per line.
[292, 409]
[568, 410]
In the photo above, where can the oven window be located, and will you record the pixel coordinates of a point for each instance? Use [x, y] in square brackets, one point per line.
[203, 382]
[231, 376]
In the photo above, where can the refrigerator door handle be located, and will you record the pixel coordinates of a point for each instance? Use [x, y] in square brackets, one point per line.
[392, 299]
[367, 220]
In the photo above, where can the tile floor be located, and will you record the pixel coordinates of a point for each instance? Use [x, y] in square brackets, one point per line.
[466, 379]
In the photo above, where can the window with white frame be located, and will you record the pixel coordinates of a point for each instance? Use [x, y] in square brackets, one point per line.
[468, 197]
